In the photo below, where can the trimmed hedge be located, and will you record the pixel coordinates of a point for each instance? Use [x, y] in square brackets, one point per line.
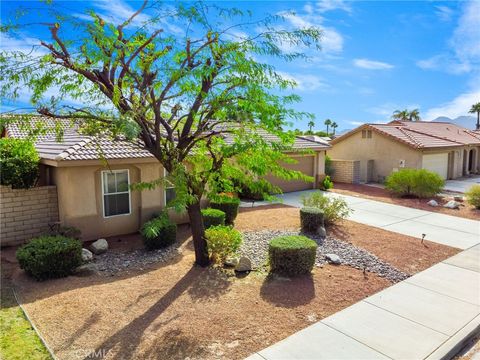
[212, 217]
[292, 255]
[159, 232]
[414, 182]
[222, 242]
[473, 196]
[19, 163]
[229, 205]
[311, 219]
[48, 257]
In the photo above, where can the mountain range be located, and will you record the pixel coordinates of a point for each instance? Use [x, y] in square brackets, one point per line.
[465, 121]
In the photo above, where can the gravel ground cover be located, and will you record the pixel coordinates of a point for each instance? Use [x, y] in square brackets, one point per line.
[255, 246]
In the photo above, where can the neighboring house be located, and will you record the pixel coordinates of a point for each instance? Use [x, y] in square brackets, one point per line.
[447, 149]
[92, 177]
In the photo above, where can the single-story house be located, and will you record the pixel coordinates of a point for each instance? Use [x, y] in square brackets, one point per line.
[93, 190]
[378, 149]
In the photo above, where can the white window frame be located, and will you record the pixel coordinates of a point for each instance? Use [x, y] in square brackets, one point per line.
[116, 193]
[165, 174]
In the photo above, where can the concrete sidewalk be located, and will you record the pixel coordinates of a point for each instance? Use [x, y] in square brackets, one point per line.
[440, 228]
[428, 316]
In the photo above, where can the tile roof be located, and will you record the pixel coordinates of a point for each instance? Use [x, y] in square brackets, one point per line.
[76, 146]
[422, 134]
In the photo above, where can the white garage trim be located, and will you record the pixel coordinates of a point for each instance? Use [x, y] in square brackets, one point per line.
[438, 163]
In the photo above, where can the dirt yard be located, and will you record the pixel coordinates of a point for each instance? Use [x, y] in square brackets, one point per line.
[376, 193]
[176, 310]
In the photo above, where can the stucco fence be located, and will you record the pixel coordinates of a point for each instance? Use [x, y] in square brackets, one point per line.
[346, 171]
[26, 213]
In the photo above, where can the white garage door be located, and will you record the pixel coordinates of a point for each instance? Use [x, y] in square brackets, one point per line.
[437, 163]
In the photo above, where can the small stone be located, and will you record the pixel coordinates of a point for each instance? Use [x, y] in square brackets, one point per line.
[452, 204]
[433, 203]
[244, 264]
[322, 232]
[87, 255]
[99, 247]
[458, 198]
[86, 270]
[231, 261]
[333, 259]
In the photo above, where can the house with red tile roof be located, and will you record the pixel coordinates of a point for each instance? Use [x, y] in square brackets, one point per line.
[447, 149]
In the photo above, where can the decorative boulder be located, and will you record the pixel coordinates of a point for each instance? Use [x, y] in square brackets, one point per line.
[333, 259]
[99, 247]
[322, 232]
[87, 255]
[231, 261]
[244, 264]
[433, 203]
[452, 204]
[86, 270]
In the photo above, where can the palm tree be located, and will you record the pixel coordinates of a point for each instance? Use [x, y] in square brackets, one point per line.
[414, 115]
[476, 109]
[311, 124]
[334, 126]
[403, 115]
[328, 122]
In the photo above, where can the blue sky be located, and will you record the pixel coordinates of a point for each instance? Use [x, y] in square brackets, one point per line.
[376, 56]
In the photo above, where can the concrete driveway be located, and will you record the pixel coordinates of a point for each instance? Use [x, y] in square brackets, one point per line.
[443, 229]
[463, 184]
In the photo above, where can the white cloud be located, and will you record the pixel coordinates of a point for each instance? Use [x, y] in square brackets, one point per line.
[446, 63]
[444, 13]
[356, 123]
[21, 43]
[118, 11]
[386, 110]
[457, 107]
[372, 64]
[305, 82]
[330, 5]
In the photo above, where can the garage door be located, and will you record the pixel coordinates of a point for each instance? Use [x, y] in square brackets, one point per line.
[306, 165]
[437, 163]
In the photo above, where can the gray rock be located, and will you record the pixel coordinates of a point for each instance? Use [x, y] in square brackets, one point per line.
[244, 264]
[333, 259]
[452, 204]
[86, 270]
[87, 255]
[231, 261]
[99, 247]
[458, 198]
[433, 203]
[322, 232]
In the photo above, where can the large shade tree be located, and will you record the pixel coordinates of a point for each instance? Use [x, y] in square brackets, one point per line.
[190, 83]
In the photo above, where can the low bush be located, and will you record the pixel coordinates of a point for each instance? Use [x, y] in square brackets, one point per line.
[414, 182]
[50, 256]
[67, 231]
[311, 219]
[159, 232]
[19, 163]
[292, 255]
[222, 242]
[212, 217]
[334, 209]
[229, 205]
[473, 196]
[327, 184]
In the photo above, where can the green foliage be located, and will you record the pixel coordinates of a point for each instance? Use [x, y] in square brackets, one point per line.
[159, 232]
[229, 205]
[19, 162]
[292, 255]
[212, 217]
[50, 256]
[66, 231]
[311, 219]
[334, 209]
[414, 182]
[329, 170]
[327, 184]
[222, 242]
[257, 190]
[473, 196]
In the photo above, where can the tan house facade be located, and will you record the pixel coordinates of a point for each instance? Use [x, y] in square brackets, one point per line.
[94, 192]
[447, 149]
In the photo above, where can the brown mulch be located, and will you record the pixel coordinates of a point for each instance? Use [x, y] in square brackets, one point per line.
[376, 193]
[177, 310]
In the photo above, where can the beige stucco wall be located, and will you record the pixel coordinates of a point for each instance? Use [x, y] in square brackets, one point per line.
[385, 152]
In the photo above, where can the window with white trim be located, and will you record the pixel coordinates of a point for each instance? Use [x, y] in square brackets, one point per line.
[169, 189]
[116, 192]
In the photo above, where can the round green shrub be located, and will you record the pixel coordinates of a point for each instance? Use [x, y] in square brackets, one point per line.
[159, 233]
[229, 205]
[327, 183]
[292, 255]
[50, 256]
[212, 217]
[473, 196]
[311, 219]
[222, 242]
[414, 182]
[334, 209]
[19, 163]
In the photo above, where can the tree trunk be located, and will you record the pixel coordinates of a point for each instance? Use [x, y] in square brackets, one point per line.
[198, 234]
[478, 120]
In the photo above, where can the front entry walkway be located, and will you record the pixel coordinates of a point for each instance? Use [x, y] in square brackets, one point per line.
[440, 228]
[427, 316]
[463, 184]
